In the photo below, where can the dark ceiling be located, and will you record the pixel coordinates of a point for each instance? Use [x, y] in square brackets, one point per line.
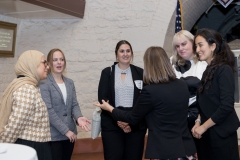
[224, 20]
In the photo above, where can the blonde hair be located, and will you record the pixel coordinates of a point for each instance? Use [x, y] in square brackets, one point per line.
[185, 35]
[157, 66]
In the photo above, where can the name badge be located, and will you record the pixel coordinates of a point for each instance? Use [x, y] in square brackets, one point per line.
[139, 84]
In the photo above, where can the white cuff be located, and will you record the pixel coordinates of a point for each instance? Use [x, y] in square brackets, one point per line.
[198, 120]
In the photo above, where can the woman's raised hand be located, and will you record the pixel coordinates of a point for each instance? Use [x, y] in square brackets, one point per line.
[105, 106]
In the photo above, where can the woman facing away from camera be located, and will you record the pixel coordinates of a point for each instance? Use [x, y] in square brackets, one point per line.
[163, 102]
[23, 114]
[59, 94]
[121, 84]
[217, 122]
[188, 68]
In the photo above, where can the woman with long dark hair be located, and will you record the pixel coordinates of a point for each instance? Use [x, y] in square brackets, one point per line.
[23, 114]
[217, 123]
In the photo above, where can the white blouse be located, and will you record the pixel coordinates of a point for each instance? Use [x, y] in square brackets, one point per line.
[123, 89]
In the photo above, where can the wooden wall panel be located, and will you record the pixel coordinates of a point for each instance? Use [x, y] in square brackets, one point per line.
[72, 7]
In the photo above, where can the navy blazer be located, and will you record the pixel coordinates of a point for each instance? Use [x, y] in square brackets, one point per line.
[62, 117]
[165, 107]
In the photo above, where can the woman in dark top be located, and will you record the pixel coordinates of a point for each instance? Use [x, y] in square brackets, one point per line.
[217, 122]
[163, 103]
[121, 84]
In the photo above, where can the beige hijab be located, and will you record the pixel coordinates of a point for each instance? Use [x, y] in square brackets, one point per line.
[26, 65]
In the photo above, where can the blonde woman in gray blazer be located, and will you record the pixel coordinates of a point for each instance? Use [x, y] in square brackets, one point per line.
[58, 92]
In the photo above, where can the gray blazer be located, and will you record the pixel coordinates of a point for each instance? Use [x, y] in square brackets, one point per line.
[61, 116]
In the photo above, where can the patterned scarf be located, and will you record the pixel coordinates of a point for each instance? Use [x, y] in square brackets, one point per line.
[26, 66]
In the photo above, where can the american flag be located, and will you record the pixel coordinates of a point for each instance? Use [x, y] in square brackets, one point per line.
[179, 22]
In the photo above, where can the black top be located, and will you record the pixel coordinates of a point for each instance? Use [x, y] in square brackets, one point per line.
[191, 73]
[217, 102]
[165, 107]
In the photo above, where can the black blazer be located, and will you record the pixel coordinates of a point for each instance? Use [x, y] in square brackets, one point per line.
[106, 91]
[217, 102]
[165, 108]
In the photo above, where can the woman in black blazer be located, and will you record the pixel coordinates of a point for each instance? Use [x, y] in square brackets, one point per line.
[217, 122]
[121, 84]
[163, 102]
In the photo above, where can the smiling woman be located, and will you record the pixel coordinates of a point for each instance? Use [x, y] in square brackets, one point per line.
[121, 85]
[43, 69]
[23, 114]
[219, 121]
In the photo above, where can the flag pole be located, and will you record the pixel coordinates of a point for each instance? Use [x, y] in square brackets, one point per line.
[181, 10]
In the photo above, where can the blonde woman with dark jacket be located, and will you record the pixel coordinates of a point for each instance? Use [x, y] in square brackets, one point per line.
[189, 69]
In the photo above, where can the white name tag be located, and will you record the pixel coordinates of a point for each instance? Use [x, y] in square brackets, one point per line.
[139, 84]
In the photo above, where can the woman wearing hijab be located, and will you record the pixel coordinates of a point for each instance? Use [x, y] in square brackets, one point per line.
[23, 114]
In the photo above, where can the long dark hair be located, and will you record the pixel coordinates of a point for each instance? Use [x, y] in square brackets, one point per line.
[221, 55]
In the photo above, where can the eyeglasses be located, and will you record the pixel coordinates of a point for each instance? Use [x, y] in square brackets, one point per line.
[45, 62]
